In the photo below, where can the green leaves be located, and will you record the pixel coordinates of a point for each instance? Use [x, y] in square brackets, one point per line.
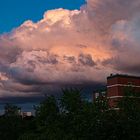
[11, 110]
[72, 118]
[71, 100]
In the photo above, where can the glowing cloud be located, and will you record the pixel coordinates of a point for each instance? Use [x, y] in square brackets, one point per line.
[72, 47]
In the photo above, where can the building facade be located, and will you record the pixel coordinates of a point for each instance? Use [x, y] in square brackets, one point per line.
[118, 85]
[99, 94]
[26, 114]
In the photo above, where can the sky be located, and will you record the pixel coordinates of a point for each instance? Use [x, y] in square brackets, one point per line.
[15, 12]
[48, 46]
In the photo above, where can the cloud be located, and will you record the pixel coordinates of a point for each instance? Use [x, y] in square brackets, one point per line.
[69, 47]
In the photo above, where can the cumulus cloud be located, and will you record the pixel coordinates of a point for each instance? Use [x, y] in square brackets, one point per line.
[71, 47]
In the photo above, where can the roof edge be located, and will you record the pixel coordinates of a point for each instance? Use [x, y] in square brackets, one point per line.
[123, 75]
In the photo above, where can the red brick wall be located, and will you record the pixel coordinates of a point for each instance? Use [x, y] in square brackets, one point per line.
[118, 84]
[112, 81]
[118, 90]
[123, 80]
[112, 91]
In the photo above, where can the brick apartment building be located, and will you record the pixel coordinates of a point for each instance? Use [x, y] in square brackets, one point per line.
[117, 85]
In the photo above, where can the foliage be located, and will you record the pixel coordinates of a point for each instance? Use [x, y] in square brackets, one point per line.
[72, 118]
[11, 110]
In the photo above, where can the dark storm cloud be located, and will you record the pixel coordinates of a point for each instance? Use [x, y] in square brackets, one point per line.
[86, 59]
[8, 54]
[70, 59]
[67, 47]
[51, 59]
[122, 66]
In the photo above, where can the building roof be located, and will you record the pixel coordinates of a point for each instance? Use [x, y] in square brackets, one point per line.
[123, 76]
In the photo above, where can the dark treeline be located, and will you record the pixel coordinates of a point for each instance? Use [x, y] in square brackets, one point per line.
[72, 118]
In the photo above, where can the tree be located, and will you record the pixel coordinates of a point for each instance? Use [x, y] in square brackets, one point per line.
[47, 110]
[11, 124]
[71, 100]
[72, 118]
[12, 110]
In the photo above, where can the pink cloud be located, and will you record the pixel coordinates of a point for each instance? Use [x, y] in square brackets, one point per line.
[73, 46]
